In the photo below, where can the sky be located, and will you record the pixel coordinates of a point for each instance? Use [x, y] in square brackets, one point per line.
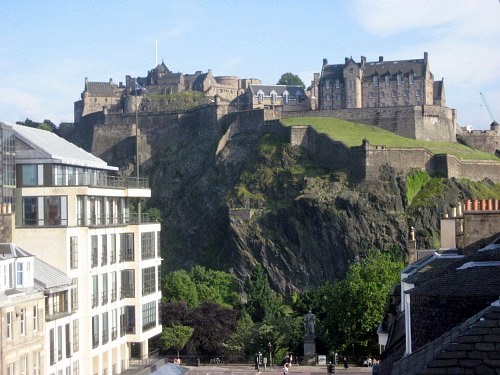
[48, 47]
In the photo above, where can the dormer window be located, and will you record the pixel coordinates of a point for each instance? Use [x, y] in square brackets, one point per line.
[375, 81]
[286, 97]
[274, 95]
[411, 78]
[387, 79]
[260, 96]
[400, 79]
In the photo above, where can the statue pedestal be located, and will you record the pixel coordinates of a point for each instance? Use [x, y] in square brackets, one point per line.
[309, 345]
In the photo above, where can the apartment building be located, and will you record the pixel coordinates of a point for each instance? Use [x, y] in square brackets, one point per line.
[74, 213]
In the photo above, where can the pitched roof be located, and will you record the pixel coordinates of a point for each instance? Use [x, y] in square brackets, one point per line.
[45, 146]
[472, 344]
[280, 89]
[49, 277]
[101, 89]
[10, 250]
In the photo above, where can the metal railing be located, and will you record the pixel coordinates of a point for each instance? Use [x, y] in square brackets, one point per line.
[101, 180]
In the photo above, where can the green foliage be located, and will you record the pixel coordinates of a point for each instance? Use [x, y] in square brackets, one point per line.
[482, 190]
[352, 134]
[45, 125]
[262, 302]
[176, 337]
[414, 183]
[291, 79]
[431, 193]
[180, 287]
[201, 285]
[356, 304]
[180, 101]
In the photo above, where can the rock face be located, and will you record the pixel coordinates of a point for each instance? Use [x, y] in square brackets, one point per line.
[231, 199]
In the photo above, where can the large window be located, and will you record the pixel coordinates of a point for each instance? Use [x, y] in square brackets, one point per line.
[95, 291]
[104, 288]
[74, 294]
[76, 336]
[128, 284]
[93, 251]
[35, 318]
[147, 245]
[29, 175]
[22, 318]
[113, 249]
[148, 316]
[105, 330]
[104, 253]
[126, 247]
[9, 325]
[45, 210]
[59, 343]
[148, 281]
[95, 331]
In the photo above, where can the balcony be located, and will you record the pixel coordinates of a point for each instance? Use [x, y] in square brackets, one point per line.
[104, 298]
[114, 333]
[127, 293]
[94, 301]
[114, 220]
[100, 181]
[113, 295]
[95, 340]
[105, 337]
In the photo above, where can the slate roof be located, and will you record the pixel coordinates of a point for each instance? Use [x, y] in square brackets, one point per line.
[471, 347]
[444, 278]
[280, 89]
[10, 250]
[51, 148]
[101, 89]
[417, 66]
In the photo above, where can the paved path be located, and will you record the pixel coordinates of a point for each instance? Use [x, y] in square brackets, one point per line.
[294, 370]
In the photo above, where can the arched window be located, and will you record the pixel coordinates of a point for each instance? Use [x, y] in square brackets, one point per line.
[286, 97]
[260, 96]
[274, 95]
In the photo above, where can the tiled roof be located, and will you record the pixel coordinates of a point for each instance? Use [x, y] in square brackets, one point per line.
[474, 345]
[45, 146]
[442, 278]
[280, 89]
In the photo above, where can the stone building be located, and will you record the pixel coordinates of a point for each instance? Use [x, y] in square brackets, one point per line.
[96, 96]
[282, 98]
[378, 84]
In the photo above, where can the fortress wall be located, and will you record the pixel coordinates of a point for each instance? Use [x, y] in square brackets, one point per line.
[471, 169]
[416, 122]
[434, 123]
[401, 159]
[485, 140]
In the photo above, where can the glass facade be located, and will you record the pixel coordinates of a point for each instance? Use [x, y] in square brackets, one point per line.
[7, 167]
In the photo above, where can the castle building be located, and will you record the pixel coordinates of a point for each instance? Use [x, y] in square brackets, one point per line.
[70, 212]
[378, 84]
[279, 97]
[98, 95]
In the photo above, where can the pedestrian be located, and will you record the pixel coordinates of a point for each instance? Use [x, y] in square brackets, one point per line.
[346, 366]
[290, 360]
[330, 368]
[285, 369]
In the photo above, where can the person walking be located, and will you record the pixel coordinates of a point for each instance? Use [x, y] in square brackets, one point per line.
[346, 366]
[285, 369]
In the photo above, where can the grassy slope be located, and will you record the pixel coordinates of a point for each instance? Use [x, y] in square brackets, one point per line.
[352, 134]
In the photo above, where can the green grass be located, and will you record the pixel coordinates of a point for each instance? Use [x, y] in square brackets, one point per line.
[352, 134]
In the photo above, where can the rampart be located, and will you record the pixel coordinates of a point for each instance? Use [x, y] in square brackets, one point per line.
[429, 123]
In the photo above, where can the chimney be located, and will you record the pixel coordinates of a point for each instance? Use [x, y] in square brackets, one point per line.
[346, 60]
[426, 56]
[381, 59]
[363, 61]
[325, 62]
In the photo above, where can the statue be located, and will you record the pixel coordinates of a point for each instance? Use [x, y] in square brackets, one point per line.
[310, 324]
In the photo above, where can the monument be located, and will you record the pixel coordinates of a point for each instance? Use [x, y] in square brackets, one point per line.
[310, 334]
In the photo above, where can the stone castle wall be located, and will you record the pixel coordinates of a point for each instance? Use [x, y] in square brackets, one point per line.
[430, 123]
[485, 140]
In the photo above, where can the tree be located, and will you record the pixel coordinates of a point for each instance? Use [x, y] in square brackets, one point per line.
[357, 303]
[262, 302]
[216, 286]
[176, 337]
[291, 79]
[179, 287]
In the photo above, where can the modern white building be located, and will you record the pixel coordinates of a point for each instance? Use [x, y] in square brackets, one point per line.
[74, 213]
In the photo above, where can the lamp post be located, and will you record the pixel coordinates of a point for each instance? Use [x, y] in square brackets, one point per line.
[270, 347]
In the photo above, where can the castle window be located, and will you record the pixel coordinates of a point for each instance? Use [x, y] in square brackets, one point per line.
[328, 97]
[418, 93]
[338, 98]
[375, 81]
[285, 97]
[400, 79]
[349, 100]
[405, 92]
[393, 93]
[387, 80]
[337, 84]
[327, 84]
[371, 94]
[382, 94]
[351, 84]
[411, 78]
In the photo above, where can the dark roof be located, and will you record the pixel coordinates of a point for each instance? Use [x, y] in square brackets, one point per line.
[472, 344]
[417, 66]
[101, 88]
[280, 89]
[448, 277]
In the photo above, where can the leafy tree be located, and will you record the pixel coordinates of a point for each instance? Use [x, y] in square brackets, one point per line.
[176, 337]
[357, 303]
[180, 287]
[291, 79]
[216, 286]
[262, 302]
[45, 125]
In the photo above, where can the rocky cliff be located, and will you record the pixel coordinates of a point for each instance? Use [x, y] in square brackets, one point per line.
[231, 199]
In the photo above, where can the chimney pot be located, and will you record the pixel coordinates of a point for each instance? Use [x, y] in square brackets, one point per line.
[381, 59]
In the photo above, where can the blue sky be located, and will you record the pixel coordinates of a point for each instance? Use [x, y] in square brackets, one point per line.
[47, 48]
